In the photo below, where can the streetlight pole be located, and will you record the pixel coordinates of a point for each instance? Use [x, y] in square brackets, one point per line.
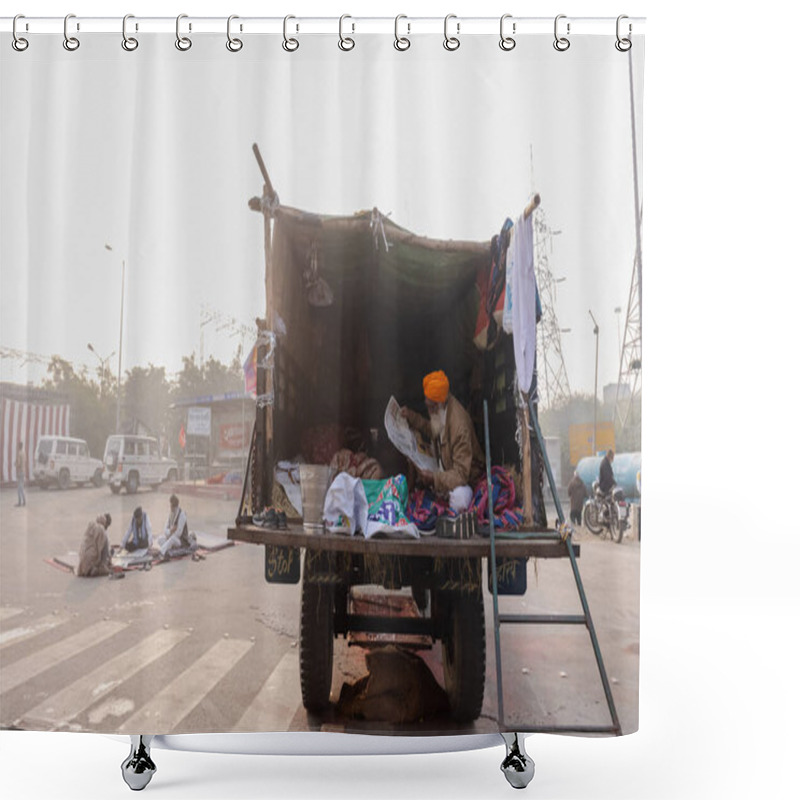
[596, 360]
[119, 359]
[103, 362]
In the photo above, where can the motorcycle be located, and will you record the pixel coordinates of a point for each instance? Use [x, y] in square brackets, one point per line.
[607, 512]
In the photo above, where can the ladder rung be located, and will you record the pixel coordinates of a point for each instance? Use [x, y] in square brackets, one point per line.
[562, 729]
[542, 619]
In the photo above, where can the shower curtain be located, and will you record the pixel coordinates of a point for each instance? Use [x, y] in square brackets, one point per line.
[226, 261]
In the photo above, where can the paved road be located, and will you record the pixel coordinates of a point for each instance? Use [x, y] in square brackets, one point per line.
[210, 646]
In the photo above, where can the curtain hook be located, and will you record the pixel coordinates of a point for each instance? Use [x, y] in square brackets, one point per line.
[71, 43]
[507, 42]
[234, 45]
[346, 43]
[183, 43]
[18, 42]
[289, 44]
[401, 42]
[451, 42]
[561, 43]
[623, 44]
[129, 43]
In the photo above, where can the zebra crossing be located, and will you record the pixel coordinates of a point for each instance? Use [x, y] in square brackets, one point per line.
[99, 700]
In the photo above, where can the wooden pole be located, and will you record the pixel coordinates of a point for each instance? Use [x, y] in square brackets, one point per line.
[527, 471]
[265, 378]
[532, 206]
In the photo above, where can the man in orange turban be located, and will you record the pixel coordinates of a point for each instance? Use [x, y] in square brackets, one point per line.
[455, 444]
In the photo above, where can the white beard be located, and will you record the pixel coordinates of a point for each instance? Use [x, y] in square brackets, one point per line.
[438, 420]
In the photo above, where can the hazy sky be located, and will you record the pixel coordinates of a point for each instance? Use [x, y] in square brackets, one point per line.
[150, 152]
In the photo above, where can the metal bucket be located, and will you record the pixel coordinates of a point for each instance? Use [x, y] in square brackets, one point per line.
[313, 487]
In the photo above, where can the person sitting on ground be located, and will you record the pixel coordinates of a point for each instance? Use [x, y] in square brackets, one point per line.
[577, 496]
[94, 560]
[455, 444]
[139, 535]
[176, 534]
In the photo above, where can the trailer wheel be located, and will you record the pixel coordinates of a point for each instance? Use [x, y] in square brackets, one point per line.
[316, 644]
[464, 655]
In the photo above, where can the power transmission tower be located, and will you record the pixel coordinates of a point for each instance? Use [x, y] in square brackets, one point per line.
[630, 362]
[553, 383]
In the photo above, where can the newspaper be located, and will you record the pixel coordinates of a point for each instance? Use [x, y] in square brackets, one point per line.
[403, 438]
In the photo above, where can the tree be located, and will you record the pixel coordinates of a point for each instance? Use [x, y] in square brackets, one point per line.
[92, 407]
[147, 397]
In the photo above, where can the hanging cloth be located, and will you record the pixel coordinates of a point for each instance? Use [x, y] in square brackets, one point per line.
[525, 309]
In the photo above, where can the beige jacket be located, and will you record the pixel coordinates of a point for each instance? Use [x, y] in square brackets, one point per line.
[458, 449]
[94, 559]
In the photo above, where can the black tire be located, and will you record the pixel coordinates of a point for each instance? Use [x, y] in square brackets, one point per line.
[172, 476]
[43, 485]
[97, 478]
[114, 489]
[63, 479]
[591, 518]
[132, 484]
[316, 643]
[616, 525]
[464, 655]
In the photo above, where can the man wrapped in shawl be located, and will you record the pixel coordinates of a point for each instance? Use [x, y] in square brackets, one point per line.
[94, 560]
[455, 445]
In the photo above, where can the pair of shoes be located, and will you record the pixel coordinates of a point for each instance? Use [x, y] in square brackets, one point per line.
[272, 519]
[267, 519]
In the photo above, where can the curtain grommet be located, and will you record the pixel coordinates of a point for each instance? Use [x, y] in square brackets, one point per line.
[19, 43]
[233, 44]
[71, 43]
[129, 43]
[451, 43]
[183, 43]
[401, 43]
[507, 43]
[289, 44]
[346, 43]
[623, 43]
[561, 43]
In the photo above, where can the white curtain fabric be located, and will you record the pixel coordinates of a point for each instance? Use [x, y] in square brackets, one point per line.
[124, 202]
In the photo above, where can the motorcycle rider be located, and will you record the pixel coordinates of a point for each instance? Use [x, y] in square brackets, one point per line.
[607, 472]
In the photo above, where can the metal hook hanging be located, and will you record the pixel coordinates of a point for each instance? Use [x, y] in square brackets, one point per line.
[71, 43]
[507, 42]
[233, 44]
[561, 43]
[183, 43]
[401, 42]
[346, 42]
[289, 44]
[129, 43]
[18, 42]
[451, 42]
[623, 44]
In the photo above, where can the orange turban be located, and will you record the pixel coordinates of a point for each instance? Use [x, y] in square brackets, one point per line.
[436, 386]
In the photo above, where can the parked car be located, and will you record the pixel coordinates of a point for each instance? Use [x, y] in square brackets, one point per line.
[134, 461]
[62, 460]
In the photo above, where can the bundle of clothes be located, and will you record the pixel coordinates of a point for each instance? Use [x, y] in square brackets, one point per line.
[385, 506]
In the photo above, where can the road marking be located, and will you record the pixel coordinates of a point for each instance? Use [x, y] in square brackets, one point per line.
[26, 668]
[6, 612]
[167, 708]
[78, 696]
[274, 707]
[21, 634]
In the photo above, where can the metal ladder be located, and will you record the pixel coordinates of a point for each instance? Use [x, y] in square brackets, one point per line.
[542, 619]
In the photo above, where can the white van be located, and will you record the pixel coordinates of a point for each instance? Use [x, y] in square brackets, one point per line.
[133, 461]
[62, 460]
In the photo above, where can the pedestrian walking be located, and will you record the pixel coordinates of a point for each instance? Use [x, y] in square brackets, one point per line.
[577, 496]
[19, 464]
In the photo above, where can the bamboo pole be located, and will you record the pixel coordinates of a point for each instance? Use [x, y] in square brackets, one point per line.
[527, 468]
